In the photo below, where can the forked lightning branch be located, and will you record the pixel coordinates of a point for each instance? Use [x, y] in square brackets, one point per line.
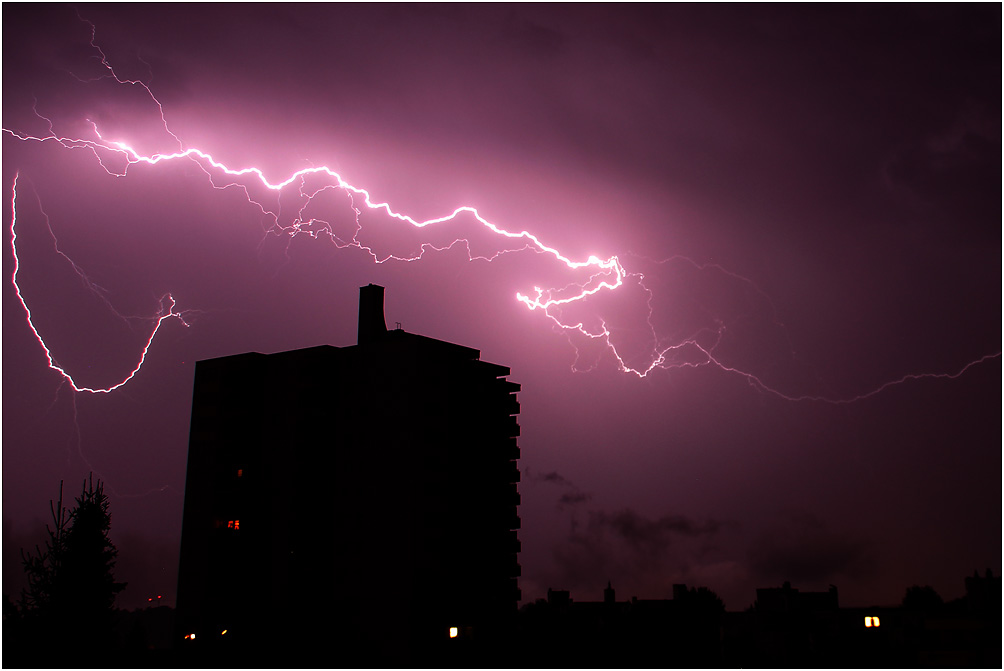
[601, 274]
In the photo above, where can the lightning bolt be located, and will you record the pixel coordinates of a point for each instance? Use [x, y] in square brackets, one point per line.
[604, 275]
[165, 312]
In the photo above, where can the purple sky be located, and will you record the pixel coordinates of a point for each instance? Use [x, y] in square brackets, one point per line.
[809, 194]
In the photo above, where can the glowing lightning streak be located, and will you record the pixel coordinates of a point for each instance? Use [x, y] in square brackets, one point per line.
[611, 267]
[607, 268]
[133, 157]
[161, 315]
[610, 273]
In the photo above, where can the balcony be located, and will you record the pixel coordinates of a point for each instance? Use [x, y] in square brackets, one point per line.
[511, 426]
[514, 544]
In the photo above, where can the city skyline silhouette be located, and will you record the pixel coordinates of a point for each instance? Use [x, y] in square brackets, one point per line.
[807, 193]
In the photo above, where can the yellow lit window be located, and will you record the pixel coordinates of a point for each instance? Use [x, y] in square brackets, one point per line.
[454, 632]
[872, 622]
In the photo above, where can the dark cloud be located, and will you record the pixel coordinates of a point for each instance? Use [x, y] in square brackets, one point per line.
[648, 537]
[637, 551]
[652, 534]
[804, 549]
[570, 498]
[552, 477]
[582, 559]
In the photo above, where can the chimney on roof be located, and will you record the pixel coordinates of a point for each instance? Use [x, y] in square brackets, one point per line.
[371, 321]
[609, 596]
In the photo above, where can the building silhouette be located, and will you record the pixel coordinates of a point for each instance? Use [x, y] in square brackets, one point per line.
[350, 506]
[685, 631]
[784, 628]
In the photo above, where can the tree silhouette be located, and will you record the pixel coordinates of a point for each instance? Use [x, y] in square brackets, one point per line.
[921, 598]
[71, 591]
[43, 567]
[703, 600]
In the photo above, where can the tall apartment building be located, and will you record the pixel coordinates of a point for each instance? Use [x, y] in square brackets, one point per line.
[351, 501]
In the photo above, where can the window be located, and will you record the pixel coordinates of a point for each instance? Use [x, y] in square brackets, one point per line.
[871, 621]
[234, 524]
[454, 632]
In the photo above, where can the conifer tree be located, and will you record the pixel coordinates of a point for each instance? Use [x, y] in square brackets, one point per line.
[43, 566]
[71, 591]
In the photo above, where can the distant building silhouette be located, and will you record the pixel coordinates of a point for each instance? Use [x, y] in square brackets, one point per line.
[560, 632]
[357, 503]
[788, 628]
[785, 628]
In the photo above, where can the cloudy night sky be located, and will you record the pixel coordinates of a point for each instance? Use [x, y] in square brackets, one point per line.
[797, 378]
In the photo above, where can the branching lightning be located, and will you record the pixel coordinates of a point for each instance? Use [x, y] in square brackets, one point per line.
[166, 310]
[604, 276]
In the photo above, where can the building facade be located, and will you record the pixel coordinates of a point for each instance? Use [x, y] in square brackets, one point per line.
[355, 502]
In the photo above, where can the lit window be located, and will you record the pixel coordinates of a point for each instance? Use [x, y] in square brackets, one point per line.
[234, 524]
[454, 632]
[871, 622]
[191, 637]
[240, 472]
[224, 632]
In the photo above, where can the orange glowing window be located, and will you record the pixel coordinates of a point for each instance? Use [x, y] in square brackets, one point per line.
[234, 524]
[872, 622]
[454, 632]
